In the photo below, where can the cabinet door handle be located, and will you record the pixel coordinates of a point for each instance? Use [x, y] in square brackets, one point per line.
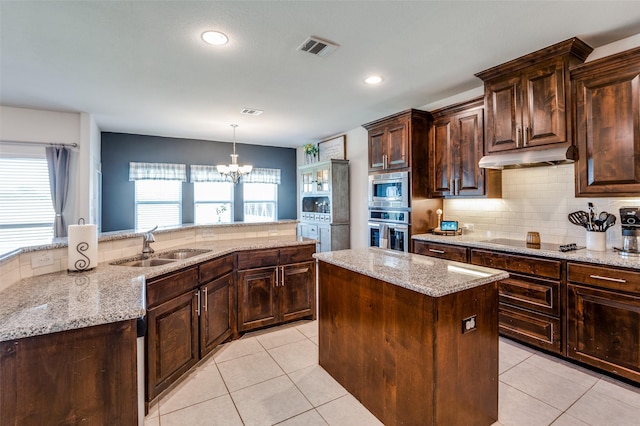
[526, 136]
[616, 280]
[198, 308]
[204, 301]
[518, 136]
[277, 277]
[452, 186]
[436, 251]
[457, 185]
[282, 281]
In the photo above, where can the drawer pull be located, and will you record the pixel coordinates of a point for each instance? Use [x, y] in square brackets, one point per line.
[436, 251]
[617, 280]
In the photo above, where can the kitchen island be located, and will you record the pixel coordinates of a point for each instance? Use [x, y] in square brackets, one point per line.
[414, 339]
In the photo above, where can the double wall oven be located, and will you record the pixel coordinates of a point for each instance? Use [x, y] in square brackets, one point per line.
[389, 212]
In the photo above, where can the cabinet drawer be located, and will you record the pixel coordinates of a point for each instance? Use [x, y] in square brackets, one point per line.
[170, 286]
[216, 268]
[616, 279]
[297, 254]
[530, 293]
[536, 329]
[257, 258]
[442, 251]
[513, 263]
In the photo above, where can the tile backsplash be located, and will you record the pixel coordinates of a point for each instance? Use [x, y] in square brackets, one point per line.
[535, 199]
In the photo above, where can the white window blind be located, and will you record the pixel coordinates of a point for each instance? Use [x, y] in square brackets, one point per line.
[213, 202]
[158, 202]
[260, 202]
[26, 212]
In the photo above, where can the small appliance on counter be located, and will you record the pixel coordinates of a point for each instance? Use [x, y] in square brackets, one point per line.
[630, 221]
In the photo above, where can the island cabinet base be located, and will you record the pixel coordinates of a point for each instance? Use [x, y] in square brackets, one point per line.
[406, 356]
[85, 376]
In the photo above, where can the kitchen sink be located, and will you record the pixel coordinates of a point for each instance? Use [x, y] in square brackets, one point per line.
[181, 253]
[140, 263]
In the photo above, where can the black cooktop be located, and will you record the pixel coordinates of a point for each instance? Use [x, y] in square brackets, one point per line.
[523, 244]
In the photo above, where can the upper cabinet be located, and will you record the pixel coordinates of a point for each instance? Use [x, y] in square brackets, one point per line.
[456, 144]
[527, 100]
[607, 125]
[395, 141]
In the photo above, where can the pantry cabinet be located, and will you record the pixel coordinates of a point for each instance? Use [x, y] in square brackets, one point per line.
[275, 286]
[456, 145]
[607, 122]
[528, 100]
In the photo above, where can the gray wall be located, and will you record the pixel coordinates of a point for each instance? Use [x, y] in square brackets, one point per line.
[118, 149]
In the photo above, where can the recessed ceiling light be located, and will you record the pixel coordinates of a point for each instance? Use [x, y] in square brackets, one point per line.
[374, 79]
[215, 38]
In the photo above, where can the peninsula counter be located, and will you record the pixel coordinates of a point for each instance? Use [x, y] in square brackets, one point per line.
[415, 339]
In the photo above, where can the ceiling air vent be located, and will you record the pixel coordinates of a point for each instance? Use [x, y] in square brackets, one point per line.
[317, 46]
[251, 111]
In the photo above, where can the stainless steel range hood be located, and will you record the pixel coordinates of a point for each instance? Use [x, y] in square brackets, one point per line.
[543, 157]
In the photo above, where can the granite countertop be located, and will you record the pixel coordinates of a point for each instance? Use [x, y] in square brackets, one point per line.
[426, 275]
[109, 293]
[605, 258]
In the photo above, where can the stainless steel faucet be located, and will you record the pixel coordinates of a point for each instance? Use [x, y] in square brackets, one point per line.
[148, 238]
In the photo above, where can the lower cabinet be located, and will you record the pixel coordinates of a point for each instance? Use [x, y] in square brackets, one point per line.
[603, 318]
[530, 299]
[217, 319]
[275, 286]
[441, 251]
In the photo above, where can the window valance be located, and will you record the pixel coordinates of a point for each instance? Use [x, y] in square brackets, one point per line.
[262, 175]
[205, 174]
[157, 171]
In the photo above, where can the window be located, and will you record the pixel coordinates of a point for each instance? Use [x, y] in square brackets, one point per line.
[158, 202]
[260, 202]
[213, 202]
[26, 212]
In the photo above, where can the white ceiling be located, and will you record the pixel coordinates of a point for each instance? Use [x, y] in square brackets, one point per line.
[141, 67]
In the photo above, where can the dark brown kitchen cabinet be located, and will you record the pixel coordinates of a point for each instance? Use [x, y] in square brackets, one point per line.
[189, 313]
[528, 100]
[603, 318]
[396, 142]
[607, 123]
[456, 144]
[94, 367]
[530, 299]
[441, 251]
[275, 286]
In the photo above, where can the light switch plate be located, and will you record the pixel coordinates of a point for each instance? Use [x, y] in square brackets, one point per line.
[469, 324]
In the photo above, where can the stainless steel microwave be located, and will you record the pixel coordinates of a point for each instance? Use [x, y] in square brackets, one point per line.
[389, 190]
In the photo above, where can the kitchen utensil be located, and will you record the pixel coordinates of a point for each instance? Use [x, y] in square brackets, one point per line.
[609, 221]
[533, 238]
[580, 218]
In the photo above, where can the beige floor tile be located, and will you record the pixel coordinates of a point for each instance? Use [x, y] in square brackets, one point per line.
[516, 408]
[249, 370]
[315, 340]
[200, 385]
[309, 329]
[567, 420]
[308, 418]
[317, 385]
[270, 402]
[295, 356]
[280, 337]
[151, 421]
[218, 411]
[621, 391]
[597, 408]
[238, 348]
[571, 372]
[347, 411]
[511, 354]
[545, 385]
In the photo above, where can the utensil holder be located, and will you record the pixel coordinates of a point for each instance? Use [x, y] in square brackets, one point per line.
[597, 241]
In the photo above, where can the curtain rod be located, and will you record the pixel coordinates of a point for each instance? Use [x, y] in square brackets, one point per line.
[73, 145]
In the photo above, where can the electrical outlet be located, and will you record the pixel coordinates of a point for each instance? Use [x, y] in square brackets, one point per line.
[41, 259]
[469, 227]
[469, 324]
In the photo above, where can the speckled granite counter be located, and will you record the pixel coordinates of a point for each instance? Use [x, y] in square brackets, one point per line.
[109, 293]
[429, 276]
[609, 257]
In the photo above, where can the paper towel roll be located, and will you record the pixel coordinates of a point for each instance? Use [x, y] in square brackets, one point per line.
[83, 247]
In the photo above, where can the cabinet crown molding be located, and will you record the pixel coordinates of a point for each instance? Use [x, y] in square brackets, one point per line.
[618, 61]
[410, 112]
[573, 46]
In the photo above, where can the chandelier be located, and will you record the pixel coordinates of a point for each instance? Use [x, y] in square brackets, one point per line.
[233, 171]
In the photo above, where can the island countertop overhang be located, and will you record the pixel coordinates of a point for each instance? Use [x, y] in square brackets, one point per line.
[429, 276]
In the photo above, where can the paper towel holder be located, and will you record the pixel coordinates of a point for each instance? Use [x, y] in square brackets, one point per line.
[84, 263]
